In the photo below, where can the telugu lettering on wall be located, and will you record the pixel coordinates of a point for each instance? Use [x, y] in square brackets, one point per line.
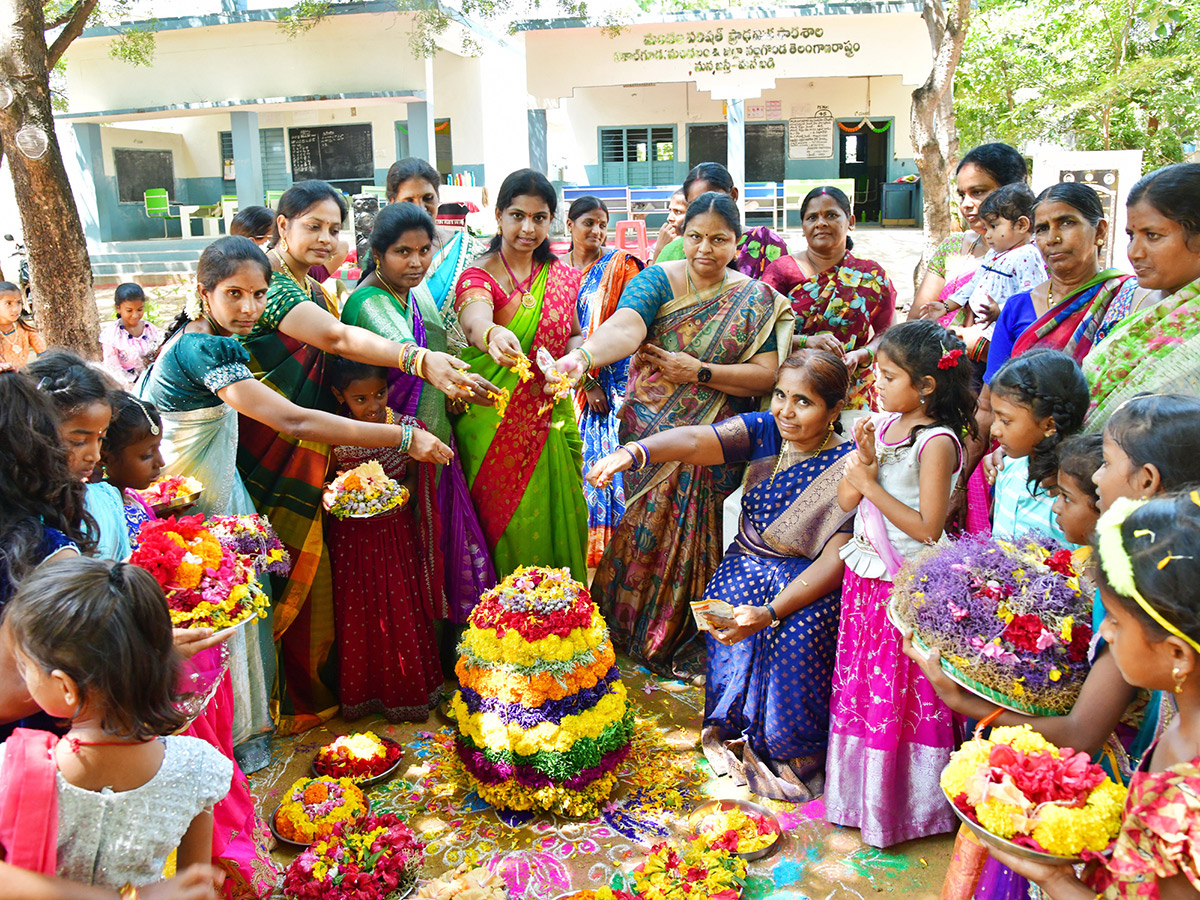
[726, 50]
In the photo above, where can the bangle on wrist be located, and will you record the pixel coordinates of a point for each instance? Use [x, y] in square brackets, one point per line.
[632, 456]
[645, 453]
[588, 359]
[406, 436]
[487, 336]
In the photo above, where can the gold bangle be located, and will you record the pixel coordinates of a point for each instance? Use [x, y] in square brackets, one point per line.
[482, 299]
[487, 336]
[419, 362]
[128, 891]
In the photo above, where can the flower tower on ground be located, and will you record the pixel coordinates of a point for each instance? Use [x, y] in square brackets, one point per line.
[543, 719]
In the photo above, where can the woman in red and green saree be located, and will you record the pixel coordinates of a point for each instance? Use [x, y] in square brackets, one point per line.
[524, 463]
[710, 341]
[604, 272]
[1153, 346]
[285, 475]
[393, 302]
[842, 304]
[757, 247]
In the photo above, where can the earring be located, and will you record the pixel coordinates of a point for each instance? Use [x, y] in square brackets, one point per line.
[282, 244]
[1050, 433]
[1099, 242]
[1179, 680]
[922, 399]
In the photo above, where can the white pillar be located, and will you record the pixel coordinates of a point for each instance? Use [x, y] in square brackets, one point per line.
[735, 137]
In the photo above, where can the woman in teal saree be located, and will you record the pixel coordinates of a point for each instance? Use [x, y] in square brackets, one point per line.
[524, 463]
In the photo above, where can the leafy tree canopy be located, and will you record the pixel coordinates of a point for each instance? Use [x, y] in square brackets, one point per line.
[1103, 74]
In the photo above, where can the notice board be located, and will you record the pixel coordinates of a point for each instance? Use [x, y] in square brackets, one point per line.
[332, 153]
[810, 137]
[141, 170]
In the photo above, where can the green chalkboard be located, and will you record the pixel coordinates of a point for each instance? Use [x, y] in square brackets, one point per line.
[141, 170]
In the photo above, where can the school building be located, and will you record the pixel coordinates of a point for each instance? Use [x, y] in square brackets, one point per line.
[232, 111]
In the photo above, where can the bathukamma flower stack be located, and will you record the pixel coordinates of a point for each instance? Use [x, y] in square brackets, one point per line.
[543, 718]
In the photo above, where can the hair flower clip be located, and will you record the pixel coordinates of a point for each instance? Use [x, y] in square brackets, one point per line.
[949, 358]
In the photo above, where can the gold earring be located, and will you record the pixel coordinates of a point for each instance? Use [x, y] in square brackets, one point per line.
[282, 244]
[1050, 433]
[1179, 680]
[1099, 242]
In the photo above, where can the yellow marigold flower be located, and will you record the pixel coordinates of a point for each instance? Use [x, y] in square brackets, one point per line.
[997, 817]
[964, 764]
[1055, 675]
[1022, 737]
[1067, 832]
[1067, 623]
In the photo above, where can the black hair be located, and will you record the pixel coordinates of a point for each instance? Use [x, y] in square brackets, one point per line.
[342, 371]
[1009, 202]
[128, 291]
[68, 381]
[7, 287]
[715, 175]
[523, 183]
[220, 260]
[1080, 456]
[722, 205]
[826, 372]
[303, 196]
[394, 220]
[37, 489]
[838, 196]
[1162, 540]
[106, 625]
[254, 222]
[1160, 430]
[407, 169]
[1079, 197]
[1003, 164]
[1047, 383]
[1175, 192]
[133, 420]
[924, 349]
[585, 204]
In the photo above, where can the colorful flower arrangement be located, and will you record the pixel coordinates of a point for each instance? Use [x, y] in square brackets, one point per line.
[1011, 618]
[543, 719]
[365, 860]
[364, 491]
[1020, 787]
[253, 538]
[467, 882]
[206, 582]
[357, 756]
[312, 808]
[698, 872]
[167, 491]
[737, 831]
[604, 893]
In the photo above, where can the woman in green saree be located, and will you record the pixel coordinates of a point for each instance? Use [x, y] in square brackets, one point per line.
[710, 342]
[524, 463]
[285, 475]
[394, 302]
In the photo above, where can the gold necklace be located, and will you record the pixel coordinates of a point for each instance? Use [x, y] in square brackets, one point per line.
[687, 273]
[391, 416]
[16, 344]
[387, 287]
[303, 285]
[817, 452]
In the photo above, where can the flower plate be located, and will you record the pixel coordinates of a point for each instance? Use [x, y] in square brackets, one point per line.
[1009, 847]
[746, 806]
[230, 629]
[279, 837]
[1012, 704]
[183, 501]
[385, 775]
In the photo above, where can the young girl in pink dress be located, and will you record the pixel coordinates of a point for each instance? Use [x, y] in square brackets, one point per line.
[384, 586]
[890, 735]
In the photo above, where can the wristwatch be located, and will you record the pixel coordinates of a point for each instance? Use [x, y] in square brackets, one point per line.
[704, 376]
[775, 620]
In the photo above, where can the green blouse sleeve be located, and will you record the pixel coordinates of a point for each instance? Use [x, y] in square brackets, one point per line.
[673, 250]
[375, 310]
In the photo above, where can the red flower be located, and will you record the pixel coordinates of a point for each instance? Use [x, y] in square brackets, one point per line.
[1081, 640]
[1023, 632]
[949, 359]
[695, 873]
[727, 841]
[1060, 561]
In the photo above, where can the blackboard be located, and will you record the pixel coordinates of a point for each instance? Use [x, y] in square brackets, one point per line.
[766, 148]
[141, 170]
[332, 153]
[707, 143]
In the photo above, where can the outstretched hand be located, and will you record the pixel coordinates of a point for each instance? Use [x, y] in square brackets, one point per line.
[601, 474]
[449, 375]
[425, 447]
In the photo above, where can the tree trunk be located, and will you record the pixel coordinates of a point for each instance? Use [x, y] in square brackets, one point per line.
[934, 134]
[59, 269]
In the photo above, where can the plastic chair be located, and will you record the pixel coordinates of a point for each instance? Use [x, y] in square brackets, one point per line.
[158, 206]
[640, 247]
[229, 209]
[273, 199]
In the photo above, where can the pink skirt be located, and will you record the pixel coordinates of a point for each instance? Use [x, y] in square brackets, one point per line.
[890, 735]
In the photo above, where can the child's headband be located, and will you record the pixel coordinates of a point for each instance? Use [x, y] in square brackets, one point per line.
[1117, 565]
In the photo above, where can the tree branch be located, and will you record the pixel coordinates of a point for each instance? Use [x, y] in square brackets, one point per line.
[73, 27]
[63, 17]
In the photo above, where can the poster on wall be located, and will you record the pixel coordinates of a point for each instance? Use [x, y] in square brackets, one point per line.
[811, 137]
[755, 109]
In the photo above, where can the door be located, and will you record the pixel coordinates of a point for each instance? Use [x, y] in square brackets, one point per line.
[863, 157]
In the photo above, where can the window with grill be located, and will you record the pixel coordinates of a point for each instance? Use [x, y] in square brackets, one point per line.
[274, 166]
[637, 156]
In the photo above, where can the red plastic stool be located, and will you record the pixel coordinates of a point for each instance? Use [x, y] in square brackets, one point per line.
[639, 247]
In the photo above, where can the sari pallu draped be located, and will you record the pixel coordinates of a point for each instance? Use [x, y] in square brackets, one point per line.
[525, 470]
[284, 477]
[766, 708]
[599, 291]
[1155, 351]
[449, 262]
[668, 544]
[455, 550]
[1071, 324]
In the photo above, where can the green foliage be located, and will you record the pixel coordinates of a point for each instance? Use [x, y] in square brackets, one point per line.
[1105, 74]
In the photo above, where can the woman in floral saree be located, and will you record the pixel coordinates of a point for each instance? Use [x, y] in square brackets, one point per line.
[604, 272]
[524, 462]
[711, 340]
[1155, 347]
[285, 475]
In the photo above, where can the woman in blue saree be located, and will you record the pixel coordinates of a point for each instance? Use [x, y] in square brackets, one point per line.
[770, 666]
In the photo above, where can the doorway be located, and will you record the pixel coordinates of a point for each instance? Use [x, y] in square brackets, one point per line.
[863, 156]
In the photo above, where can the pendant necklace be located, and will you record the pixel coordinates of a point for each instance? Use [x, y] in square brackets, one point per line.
[403, 304]
[12, 336]
[527, 299]
[817, 452]
[687, 273]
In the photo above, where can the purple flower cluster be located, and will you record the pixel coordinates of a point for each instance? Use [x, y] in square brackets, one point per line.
[550, 711]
